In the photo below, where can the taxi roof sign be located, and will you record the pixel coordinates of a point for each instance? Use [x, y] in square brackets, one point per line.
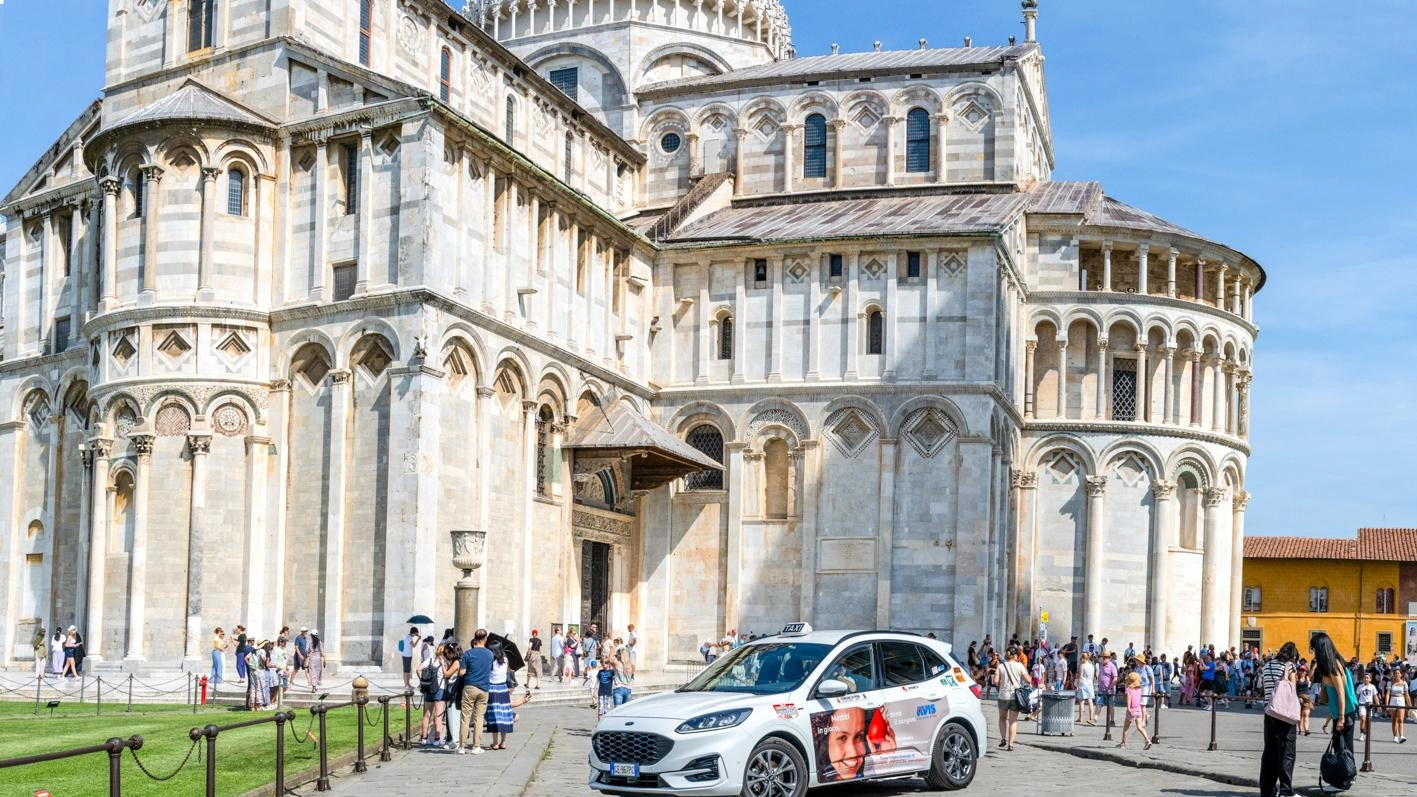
[796, 629]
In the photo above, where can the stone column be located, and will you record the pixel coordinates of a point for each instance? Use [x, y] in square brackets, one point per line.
[78, 240]
[1142, 252]
[200, 445]
[1217, 417]
[100, 448]
[138, 561]
[1171, 272]
[811, 489]
[1220, 286]
[775, 273]
[848, 309]
[1143, 386]
[1025, 484]
[364, 218]
[1106, 265]
[696, 161]
[814, 321]
[789, 155]
[321, 269]
[1195, 358]
[1240, 500]
[1104, 390]
[1063, 379]
[1030, 347]
[1163, 511]
[1242, 413]
[886, 537]
[208, 227]
[739, 135]
[1092, 569]
[740, 323]
[891, 123]
[737, 454]
[1200, 286]
[45, 322]
[942, 125]
[110, 187]
[888, 323]
[838, 173]
[333, 609]
[1168, 397]
[265, 597]
[468, 547]
[1212, 606]
[152, 202]
[529, 409]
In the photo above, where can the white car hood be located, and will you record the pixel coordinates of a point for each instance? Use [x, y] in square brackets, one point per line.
[688, 705]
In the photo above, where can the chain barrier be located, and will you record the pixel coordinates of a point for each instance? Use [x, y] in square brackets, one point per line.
[307, 736]
[180, 766]
[373, 723]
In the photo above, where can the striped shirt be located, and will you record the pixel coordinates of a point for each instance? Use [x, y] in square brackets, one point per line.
[1273, 672]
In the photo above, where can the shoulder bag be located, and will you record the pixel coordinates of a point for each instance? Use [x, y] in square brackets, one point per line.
[1284, 703]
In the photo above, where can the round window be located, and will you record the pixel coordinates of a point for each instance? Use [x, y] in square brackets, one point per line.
[670, 143]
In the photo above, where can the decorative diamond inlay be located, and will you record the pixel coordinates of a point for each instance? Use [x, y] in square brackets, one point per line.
[928, 431]
[973, 115]
[874, 268]
[797, 271]
[867, 117]
[849, 432]
[174, 346]
[123, 351]
[953, 264]
[766, 128]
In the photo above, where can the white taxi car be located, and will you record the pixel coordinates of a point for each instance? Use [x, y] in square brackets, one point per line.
[797, 710]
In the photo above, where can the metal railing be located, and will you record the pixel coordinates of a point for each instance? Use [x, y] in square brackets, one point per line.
[114, 747]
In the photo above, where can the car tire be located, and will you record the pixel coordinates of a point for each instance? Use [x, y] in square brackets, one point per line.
[955, 759]
[775, 768]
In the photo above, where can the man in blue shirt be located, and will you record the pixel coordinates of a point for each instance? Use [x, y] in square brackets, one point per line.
[476, 670]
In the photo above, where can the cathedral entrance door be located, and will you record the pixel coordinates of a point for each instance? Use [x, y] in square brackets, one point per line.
[595, 583]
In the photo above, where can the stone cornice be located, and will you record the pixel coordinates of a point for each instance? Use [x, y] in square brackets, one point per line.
[354, 120]
[1132, 429]
[164, 313]
[52, 198]
[1115, 297]
[755, 390]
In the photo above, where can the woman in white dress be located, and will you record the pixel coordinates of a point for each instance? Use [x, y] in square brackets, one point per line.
[56, 653]
[1087, 690]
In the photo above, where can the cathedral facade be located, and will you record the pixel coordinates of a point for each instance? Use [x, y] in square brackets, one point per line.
[700, 335]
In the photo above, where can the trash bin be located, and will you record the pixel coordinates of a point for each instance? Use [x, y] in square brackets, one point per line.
[1057, 713]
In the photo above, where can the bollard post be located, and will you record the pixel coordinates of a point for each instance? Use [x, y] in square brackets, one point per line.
[384, 754]
[115, 769]
[38, 682]
[1367, 744]
[210, 731]
[407, 719]
[359, 765]
[1107, 732]
[130, 694]
[1156, 728]
[98, 698]
[322, 783]
[280, 750]
[83, 680]
[1212, 746]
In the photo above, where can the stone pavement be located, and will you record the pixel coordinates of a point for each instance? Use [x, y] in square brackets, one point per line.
[1185, 734]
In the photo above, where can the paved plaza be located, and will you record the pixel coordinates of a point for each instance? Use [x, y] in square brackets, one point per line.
[546, 757]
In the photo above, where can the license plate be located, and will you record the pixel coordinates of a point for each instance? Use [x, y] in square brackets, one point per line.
[625, 770]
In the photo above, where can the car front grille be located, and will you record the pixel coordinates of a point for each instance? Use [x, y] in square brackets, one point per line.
[621, 747]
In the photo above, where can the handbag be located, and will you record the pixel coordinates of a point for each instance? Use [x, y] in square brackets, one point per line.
[1284, 703]
[1337, 767]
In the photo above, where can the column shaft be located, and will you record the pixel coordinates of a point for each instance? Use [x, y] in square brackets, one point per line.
[1196, 380]
[199, 445]
[1092, 570]
[208, 227]
[789, 156]
[1107, 266]
[1030, 349]
[1212, 607]
[891, 123]
[942, 124]
[322, 222]
[1168, 389]
[110, 187]
[1163, 515]
[78, 245]
[838, 172]
[265, 583]
[45, 322]
[1143, 413]
[152, 202]
[1171, 273]
[333, 609]
[1104, 390]
[848, 309]
[1063, 380]
[1217, 418]
[1142, 254]
[1237, 558]
[886, 540]
[98, 547]
[138, 561]
[734, 564]
[364, 217]
[740, 135]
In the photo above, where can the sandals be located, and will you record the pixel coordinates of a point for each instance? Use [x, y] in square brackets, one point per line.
[1147, 746]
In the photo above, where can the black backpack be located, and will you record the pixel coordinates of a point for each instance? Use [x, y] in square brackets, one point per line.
[428, 680]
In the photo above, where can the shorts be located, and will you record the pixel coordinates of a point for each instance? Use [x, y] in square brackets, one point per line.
[407, 665]
[1009, 705]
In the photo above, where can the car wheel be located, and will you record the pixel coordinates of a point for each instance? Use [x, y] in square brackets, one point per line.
[955, 760]
[775, 769]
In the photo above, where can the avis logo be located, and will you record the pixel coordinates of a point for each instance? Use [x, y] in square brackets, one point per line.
[925, 710]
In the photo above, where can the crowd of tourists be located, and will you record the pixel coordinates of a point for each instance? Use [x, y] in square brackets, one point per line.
[1287, 685]
[269, 668]
[60, 655]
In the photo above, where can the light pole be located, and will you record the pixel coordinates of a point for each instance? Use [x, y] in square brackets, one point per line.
[468, 547]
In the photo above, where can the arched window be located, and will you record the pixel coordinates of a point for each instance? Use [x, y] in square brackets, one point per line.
[776, 475]
[875, 332]
[366, 29]
[121, 527]
[445, 75]
[917, 141]
[1318, 599]
[1251, 601]
[709, 441]
[236, 191]
[201, 15]
[546, 460]
[137, 181]
[814, 150]
[1387, 601]
[511, 119]
[1189, 495]
[725, 338]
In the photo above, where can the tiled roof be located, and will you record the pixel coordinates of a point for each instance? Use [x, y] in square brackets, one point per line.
[1371, 545]
[1064, 197]
[944, 214]
[1388, 545]
[621, 427]
[1112, 213]
[849, 65]
[193, 101]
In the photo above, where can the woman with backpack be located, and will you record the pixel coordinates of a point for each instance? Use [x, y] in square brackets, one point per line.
[1343, 710]
[1009, 678]
[432, 684]
[1280, 735]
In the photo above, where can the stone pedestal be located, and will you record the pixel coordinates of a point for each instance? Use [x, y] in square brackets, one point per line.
[468, 547]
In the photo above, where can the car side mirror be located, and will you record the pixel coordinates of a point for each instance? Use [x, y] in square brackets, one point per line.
[831, 687]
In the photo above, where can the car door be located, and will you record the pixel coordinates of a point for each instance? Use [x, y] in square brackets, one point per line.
[840, 726]
[911, 704]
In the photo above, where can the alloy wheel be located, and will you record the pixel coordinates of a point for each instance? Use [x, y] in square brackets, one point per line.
[772, 773]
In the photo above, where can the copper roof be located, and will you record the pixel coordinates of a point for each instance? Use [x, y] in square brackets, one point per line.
[1371, 545]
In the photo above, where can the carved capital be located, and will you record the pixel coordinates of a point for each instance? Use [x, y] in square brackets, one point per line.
[1030, 346]
[753, 456]
[199, 443]
[485, 392]
[339, 376]
[836, 124]
[1023, 480]
[86, 457]
[1141, 348]
[143, 443]
[152, 173]
[1242, 500]
[1214, 496]
[1103, 343]
[1169, 351]
[110, 185]
[1163, 490]
[210, 173]
[1096, 486]
[280, 385]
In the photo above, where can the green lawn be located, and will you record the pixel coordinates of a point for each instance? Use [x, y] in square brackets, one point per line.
[245, 757]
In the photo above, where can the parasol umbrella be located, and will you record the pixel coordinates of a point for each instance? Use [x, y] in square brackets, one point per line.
[514, 655]
[419, 619]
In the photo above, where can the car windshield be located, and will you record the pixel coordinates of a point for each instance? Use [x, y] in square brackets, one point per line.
[762, 669]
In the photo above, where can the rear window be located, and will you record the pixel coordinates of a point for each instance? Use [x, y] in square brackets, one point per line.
[901, 664]
[934, 663]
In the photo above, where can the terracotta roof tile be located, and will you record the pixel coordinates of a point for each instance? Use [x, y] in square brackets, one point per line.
[1300, 548]
[1388, 545]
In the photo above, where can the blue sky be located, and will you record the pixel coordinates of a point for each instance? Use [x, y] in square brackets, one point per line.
[1276, 126]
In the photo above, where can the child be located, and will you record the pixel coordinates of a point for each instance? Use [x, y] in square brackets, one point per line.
[1367, 695]
[605, 688]
[1134, 711]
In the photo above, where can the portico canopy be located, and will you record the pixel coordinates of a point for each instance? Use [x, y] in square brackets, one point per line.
[656, 457]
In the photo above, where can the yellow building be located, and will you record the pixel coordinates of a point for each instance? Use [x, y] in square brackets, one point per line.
[1362, 591]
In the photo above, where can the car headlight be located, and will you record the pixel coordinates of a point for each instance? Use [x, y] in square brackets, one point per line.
[716, 721]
